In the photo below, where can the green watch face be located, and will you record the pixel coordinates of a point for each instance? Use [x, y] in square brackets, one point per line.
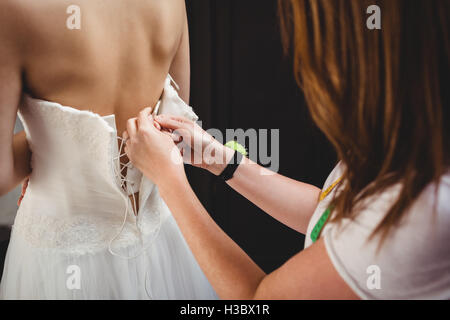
[236, 146]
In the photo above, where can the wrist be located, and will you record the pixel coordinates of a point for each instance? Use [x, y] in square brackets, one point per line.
[222, 157]
[172, 181]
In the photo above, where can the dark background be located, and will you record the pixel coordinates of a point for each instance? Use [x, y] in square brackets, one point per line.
[241, 79]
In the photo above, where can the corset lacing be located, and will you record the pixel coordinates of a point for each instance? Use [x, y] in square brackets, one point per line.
[125, 186]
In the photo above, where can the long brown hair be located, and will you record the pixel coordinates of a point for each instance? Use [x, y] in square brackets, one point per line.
[380, 96]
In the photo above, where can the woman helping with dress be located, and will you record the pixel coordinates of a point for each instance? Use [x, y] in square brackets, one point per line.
[380, 97]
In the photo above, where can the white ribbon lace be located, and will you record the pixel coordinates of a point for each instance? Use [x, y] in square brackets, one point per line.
[125, 186]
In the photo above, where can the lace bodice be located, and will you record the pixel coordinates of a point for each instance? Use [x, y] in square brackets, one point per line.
[74, 201]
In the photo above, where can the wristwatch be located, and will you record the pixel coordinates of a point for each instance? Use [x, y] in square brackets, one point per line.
[239, 153]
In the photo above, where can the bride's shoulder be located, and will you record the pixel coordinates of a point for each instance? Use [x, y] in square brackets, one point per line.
[13, 27]
[25, 18]
[22, 11]
[166, 19]
[165, 14]
[11, 12]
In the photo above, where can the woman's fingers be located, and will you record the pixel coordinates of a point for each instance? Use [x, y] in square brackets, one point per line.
[145, 119]
[171, 122]
[177, 136]
[131, 127]
[157, 125]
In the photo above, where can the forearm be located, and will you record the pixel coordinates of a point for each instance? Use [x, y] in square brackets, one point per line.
[16, 166]
[289, 201]
[229, 269]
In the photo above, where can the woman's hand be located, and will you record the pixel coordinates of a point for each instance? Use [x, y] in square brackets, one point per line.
[151, 150]
[197, 147]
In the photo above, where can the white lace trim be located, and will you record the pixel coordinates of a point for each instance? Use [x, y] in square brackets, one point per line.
[72, 235]
[81, 235]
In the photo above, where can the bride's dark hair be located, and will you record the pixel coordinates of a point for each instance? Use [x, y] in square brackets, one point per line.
[380, 96]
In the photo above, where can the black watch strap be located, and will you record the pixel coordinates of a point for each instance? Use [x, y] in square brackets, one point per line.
[232, 166]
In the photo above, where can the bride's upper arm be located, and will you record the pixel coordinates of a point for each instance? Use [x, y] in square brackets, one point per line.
[10, 93]
[180, 69]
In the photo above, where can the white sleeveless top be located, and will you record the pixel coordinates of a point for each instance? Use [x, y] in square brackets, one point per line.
[414, 261]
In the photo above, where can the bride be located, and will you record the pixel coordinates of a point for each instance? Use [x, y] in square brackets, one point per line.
[90, 225]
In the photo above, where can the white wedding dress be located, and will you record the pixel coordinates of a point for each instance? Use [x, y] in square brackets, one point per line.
[76, 235]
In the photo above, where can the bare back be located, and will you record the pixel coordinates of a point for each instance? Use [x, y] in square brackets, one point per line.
[115, 63]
